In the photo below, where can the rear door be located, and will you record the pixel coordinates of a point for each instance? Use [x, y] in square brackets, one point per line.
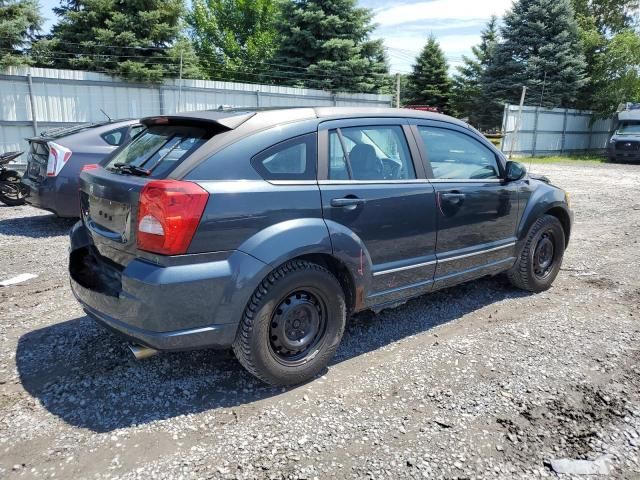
[371, 186]
[477, 210]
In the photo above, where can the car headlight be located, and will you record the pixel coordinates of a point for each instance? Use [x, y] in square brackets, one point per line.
[612, 141]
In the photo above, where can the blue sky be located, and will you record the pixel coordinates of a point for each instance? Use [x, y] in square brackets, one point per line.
[405, 25]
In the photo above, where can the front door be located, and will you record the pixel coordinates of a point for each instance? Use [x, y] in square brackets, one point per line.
[372, 188]
[477, 210]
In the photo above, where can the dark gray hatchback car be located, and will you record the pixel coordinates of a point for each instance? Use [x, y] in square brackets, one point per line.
[264, 231]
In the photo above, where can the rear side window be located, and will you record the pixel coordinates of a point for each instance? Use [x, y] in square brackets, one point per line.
[115, 137]
[293, 159]
[160, 148]
[369, 153]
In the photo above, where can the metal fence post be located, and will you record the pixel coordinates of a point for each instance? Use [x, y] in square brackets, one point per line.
[564, 130]
[32, 102]
[335, 100]
[161, 99]
[590, 132]
[258, 98]
[534, 144]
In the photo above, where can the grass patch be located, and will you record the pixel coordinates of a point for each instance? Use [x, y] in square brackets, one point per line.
[572, 159]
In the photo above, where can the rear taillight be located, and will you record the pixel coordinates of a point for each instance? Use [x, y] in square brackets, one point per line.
[89, 166]
[58, 158]
[169, 212]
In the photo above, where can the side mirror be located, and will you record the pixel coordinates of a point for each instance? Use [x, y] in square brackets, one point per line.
[515, 171]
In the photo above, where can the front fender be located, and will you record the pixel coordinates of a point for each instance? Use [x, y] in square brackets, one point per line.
[539, 200]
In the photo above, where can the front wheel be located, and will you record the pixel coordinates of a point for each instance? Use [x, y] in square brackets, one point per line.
[292, 325]
[541, 257]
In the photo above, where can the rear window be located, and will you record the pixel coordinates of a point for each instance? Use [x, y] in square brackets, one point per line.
[160, 148]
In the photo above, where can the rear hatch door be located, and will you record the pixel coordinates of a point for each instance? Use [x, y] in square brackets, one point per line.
[109, 194]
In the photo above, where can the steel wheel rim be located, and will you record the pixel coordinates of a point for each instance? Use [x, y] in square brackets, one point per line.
[544, 255]
[297, 326]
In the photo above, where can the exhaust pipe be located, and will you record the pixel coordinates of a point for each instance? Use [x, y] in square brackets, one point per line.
[141, 352]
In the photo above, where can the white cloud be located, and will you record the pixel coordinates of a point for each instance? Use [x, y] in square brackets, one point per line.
[457, 10]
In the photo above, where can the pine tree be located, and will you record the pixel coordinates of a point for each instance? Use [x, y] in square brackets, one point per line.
[429, 83]
[468, 99]
[20, 20]
[326, 44]
[541, 50]
[139, 40]
[235, 38]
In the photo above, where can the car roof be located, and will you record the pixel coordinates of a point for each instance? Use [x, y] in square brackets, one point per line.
[263, 118]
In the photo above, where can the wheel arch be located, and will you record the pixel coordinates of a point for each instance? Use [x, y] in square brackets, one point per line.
[565, 220]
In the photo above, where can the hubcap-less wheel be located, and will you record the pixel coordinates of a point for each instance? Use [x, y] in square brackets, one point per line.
[544, 254]
[297, 326]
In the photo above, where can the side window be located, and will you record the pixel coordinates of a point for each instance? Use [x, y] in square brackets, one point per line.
[115, 137]
[372, 153]
[293, 159]
[135, 130]
[454, 155]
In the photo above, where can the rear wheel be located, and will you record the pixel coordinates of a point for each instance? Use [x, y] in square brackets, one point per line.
[541, 258]
[292, 324]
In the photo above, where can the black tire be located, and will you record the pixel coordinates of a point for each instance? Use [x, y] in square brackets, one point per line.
[300, 305]
[541, 257]
[12, 192]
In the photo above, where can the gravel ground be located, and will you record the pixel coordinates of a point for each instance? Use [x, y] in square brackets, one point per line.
[478, 381]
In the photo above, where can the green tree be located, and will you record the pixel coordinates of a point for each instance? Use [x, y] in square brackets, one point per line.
[20, 21]
[326, 44]
[468, 99]
[429, 83]
[235, 39]
[607, 30]
[540, 49]
[137, 39]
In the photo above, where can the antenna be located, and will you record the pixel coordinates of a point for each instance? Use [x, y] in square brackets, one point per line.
[105, 114]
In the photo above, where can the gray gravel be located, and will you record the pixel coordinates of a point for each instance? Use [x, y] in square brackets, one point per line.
[479, 381]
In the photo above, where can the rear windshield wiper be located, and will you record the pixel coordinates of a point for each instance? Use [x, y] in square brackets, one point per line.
[131, 169]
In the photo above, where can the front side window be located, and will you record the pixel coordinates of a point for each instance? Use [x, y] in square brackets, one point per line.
[456, 156]
[369, 153]
[160, 148]
[294, 159]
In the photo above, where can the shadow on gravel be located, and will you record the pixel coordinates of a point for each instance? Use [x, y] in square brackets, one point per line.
[86, 376]
[39, 226]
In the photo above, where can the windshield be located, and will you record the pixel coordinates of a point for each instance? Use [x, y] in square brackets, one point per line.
[159, 148]
[629, 128]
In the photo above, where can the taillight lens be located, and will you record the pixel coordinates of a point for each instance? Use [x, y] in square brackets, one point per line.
[58, 158]
[169, 212]
[89, 166]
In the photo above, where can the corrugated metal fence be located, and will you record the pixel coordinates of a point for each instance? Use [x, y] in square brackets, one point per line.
[544, 131]
[66, 97]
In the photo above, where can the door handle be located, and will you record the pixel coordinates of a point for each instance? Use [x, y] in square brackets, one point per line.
[453, 198]
[347, 202]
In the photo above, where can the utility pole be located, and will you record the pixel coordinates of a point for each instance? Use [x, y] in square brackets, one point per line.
[518, 118]
[397, 90]
[179, 109]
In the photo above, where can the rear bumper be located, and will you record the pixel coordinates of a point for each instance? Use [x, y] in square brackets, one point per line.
[58, 195]
[178, 307]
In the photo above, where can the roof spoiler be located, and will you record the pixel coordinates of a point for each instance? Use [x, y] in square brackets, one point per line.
[226, 120]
